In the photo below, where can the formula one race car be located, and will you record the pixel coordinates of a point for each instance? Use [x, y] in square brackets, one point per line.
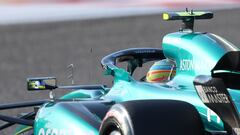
[199, 96]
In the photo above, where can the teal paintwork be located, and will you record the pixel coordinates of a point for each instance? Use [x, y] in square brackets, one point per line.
[197, 49]
[84, 94]
[50, 121]
[194, 53]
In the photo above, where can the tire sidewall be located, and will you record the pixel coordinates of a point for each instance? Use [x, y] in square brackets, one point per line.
[117, 118]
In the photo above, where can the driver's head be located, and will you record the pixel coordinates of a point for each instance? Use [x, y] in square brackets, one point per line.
[161, 71]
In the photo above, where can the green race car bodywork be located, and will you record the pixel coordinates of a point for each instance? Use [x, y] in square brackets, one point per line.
[195, 53]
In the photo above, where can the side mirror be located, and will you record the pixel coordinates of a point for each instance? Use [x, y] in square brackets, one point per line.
[41, 83]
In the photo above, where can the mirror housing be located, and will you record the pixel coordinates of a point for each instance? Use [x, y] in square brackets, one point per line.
[41, 83]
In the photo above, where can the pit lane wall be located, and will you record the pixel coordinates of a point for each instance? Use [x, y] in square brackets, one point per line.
[46, 49]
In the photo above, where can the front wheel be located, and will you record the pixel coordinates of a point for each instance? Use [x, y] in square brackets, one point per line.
[152, 117]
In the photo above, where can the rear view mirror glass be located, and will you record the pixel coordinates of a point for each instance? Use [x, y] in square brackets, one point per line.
[41, 83]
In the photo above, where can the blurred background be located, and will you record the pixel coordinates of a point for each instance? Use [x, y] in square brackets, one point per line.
[42, 37]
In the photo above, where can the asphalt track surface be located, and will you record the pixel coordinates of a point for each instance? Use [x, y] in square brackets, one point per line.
[30, 50]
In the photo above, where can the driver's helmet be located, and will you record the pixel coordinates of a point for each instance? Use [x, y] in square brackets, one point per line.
[161, 71]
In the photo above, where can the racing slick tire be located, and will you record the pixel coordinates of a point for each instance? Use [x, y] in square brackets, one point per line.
[152, 117]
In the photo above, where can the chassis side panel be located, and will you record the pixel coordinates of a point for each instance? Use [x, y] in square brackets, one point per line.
[69, 118]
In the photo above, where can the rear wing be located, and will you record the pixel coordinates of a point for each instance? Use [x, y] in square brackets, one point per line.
[213, 90]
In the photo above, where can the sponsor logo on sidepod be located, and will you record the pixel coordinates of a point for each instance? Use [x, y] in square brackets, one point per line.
[49, 131]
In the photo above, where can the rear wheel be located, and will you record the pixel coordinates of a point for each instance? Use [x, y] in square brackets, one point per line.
[165, 117]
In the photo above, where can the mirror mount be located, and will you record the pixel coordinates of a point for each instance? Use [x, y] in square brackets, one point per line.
[52, 95]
